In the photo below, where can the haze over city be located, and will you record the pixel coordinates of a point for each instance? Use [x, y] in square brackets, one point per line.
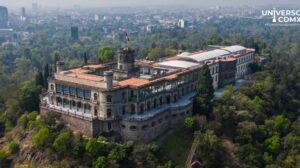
[132, 3]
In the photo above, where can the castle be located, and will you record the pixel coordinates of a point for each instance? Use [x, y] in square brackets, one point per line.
[138, 99]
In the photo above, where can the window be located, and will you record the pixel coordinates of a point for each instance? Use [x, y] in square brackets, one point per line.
[87, 94]
[144, 127]
[132, 127]
[142, 108]
[65, 102]
[79, 92]
[95, 112]
[108, 98]
[168, 99]
[95, 96]
[51, 87]
[148, 105]
[58, 101]
[109, 126]
[108, 113]
[155, 103]
[58, 88]
[66, 89]
[160, 101]
[123, 126]
[132, 108]
[159, 120]
[124, 95]
[175, 97]
[87, 108]
[72, 91]
[124, 110]
[174, 115]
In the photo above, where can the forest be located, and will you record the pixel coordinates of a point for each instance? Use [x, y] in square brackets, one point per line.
[257, 125]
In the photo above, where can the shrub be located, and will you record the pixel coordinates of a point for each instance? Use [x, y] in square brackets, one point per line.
[63, 142]
[13, 147]
[4, 161]
[42, 138]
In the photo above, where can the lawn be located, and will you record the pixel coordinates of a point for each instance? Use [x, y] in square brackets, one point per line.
[175, 145]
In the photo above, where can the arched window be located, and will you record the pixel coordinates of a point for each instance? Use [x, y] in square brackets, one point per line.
[124, 95]
[168, 99]
[109, 126]
[123, 110]
[160, 101]
[108, 113]
[148, 105]
[58, 101]
[95, 111]
[87, 108]
[108, 98]
[132, 108]
[51, 87]
[142, 108]
[95, 96]
[175, 97]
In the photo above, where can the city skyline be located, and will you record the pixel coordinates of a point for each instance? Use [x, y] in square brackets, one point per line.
[133, 3]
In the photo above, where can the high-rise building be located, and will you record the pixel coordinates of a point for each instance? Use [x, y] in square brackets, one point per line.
[3, 17]
[182, 23]
[74, 33]
[23, 14]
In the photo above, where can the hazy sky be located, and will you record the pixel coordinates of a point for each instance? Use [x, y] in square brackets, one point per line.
[104, 3]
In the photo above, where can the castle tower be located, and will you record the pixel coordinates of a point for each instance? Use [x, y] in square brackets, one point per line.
[126, 67]
[125, 59]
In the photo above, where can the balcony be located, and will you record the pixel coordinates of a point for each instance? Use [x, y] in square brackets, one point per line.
[181, 103]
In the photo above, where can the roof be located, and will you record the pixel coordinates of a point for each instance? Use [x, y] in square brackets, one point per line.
[178, 64]
[207, 55]
[133, 81]
[234, 48]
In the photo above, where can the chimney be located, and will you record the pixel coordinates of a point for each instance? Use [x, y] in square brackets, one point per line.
[108, 79]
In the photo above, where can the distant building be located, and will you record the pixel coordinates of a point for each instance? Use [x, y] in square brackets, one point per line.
[96, 17]
[149, 28]
[74, 33]
[64, 20]
[182, 23]
[22, 14]
[3, 17]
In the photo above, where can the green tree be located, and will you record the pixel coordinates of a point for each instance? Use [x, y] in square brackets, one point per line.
[155, 53]
[29, 96]
[188, 123]
[4, 161]
[272, 144]
[92, 147]
[42, 138]
[63, 142]
[205, 91]
[100, 162]
[39, 79]
[105, 53]
[46, 75]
